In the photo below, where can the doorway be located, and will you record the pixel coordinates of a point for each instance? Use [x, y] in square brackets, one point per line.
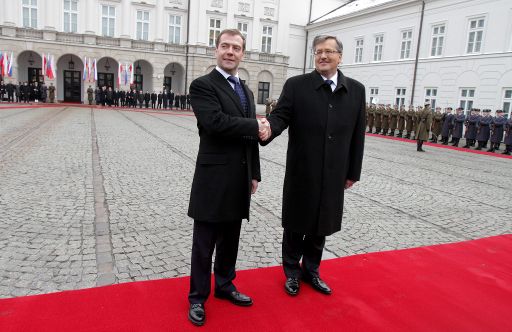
[72, 86]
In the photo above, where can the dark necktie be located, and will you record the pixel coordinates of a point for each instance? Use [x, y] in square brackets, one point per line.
[241, 94]
[329, 83]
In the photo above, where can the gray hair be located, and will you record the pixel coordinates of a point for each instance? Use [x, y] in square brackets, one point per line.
[321, 38]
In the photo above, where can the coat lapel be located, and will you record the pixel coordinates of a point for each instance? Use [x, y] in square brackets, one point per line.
[224, 85]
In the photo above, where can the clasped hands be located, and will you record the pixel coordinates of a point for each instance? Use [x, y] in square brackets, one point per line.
[264, 130]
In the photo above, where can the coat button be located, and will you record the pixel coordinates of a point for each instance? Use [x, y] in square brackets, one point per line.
[244, 162]
[330, 106]
[330, 137]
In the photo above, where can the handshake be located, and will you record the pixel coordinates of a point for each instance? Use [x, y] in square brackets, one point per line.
[264, 129]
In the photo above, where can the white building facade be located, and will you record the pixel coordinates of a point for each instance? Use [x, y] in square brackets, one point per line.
[464, 57]
[168, 42]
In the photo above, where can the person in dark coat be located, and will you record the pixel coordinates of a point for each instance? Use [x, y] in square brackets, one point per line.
[188, 101]
[497, 124]
[18, 92]
[484, 129]
[227, 173]
[183, 101]
[393, 121]
[447, 125]
[437, 124]
[458, 124]
[508, 137]
[141, 98]
[170, 96]
[409, 123]
[90, 95]
[471, 127]
[325, 113]
[165, 98]
[10, 88]
[154, 98]
[159, 100]
[147, 99]
[177, 101]
[378, 118]
[423, 124]
[402, 115]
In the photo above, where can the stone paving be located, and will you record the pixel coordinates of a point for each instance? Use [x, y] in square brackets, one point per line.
[92, 197]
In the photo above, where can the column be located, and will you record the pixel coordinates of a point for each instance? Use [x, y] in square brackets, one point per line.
[92, 17]
[160, 21]
[125, 20]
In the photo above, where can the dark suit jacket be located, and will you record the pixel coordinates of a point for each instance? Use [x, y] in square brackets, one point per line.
[325, 148]
[228, 157]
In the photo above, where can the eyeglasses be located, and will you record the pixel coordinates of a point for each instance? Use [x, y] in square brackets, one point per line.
[327, 52]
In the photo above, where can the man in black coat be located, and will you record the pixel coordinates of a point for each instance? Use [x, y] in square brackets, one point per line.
[458, 124]
[147, 98]
[447, 125]
[497, 124]
[508, 137]
[471, 127]
[484, 129]
[154, 98]
[227, 173]
[325, 113]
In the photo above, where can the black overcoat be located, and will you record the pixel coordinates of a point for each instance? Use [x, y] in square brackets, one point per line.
[447, 124]
[471, 123]
[228, 156]
[484, 130]
[508, 132]
[458, 125]
[497, 125]
[325, 148]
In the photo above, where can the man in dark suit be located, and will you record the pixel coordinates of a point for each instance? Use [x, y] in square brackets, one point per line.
[227, 173]
[325, 113]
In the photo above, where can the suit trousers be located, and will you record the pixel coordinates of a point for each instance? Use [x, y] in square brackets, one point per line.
[307, 247]
[223, 237]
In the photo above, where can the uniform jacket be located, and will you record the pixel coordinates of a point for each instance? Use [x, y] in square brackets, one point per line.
[471, 123]
[325, 147]
[424, 121]
[497, 125]
[508, 132]
[228, 156]
[458, 123]
[447, 124]
[484, 130]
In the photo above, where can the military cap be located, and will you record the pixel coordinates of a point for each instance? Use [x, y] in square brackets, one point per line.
[499, 111]
[486, 110]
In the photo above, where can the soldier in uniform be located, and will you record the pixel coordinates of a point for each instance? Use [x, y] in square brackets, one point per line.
[51, 90]
[402, 115]
[447, 125]
[416, 122]
[437, 124]
[154, 98]
[393, 122]
[141, 98]
[386, 115]
[10, 92]
[484, 130]
[378, 118]
[159, 100]
[458, 123]
[508, 137]
[409, 126]
[371, 117]
[268, 107]
[424, 121]
[471, 127]
[497, 124]
[90, 94]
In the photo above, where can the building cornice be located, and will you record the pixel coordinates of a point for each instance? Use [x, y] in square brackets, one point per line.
[391, 5]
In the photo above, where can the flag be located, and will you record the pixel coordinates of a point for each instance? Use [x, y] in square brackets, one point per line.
[9, 66]
[86, 69]
[50, 66]
[2, 55]
[131, 73]
[125, 74]
[119, 74]
[89, 66]
[95, 70]
[43, 68]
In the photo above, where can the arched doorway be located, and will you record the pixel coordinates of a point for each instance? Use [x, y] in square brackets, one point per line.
[143, 76]
[29, 67]
[173, 77]
[69, 78]
[107, 73]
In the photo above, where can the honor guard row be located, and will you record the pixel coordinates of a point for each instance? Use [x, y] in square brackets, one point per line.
[418, 123]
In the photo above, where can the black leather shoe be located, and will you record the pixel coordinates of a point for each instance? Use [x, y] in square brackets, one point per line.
[319, 285]
[196, 314]
[292, 286]
[235, 298]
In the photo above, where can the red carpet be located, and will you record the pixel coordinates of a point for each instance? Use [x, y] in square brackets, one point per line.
[449, 147]
[464, 286]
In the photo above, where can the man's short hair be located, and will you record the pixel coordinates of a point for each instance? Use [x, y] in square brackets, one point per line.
[233, 32]
[321, 38]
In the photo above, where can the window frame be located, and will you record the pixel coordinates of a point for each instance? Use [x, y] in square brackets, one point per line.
[436, 37]
[216, 30]
[399, 96]
[111, 20]
[358, 50]
[431, 98]
[33, 13]
[142, 24]
[378, 47]
[475, 30]
[174, 27]
[71, 26]
[266, 38]
[467, 100]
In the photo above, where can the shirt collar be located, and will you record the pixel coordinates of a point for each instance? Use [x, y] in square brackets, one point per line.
[225, 74]
[334, 79]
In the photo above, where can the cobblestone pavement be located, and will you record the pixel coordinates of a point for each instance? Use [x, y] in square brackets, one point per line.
[94, 197]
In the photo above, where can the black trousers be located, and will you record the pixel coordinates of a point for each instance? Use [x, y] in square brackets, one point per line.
[307, 247]
[224, 237]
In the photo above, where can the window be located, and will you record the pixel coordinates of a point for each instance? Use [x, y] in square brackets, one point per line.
[374, 95]
[475, 36]
[263, 91]
[431, 97]
[266, 39]
[467, 96]
[437, 40]
[244, 7]
[174, 29]
[214, 31]
[405, 47]
[108, 20]
[70, 15]
[142, 24]
[377, 51]
[242, 26]
[359, 50]
[400, 97]
[507, 101]
[29, 13]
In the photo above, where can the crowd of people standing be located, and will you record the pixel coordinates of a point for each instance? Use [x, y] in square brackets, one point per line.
[165, 99]
[481, 130]
[25, 92]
